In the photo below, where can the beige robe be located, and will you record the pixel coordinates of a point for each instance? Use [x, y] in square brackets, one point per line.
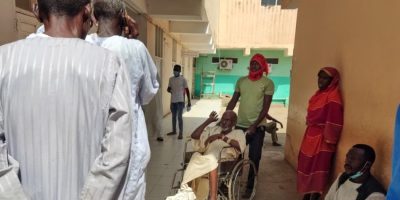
[206, 158]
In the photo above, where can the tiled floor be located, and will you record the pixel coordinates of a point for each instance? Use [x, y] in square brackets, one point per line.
[276, 178]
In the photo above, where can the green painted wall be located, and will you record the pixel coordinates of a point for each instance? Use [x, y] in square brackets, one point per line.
[225, 80]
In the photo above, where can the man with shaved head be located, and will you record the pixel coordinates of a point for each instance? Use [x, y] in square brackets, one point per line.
[208, 142]
[111, 19]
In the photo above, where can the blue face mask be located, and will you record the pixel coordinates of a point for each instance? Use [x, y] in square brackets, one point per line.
[356, 175]
[359, 173]
[176, 73]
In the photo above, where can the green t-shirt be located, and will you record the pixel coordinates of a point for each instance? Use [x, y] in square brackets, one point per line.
[252, 98]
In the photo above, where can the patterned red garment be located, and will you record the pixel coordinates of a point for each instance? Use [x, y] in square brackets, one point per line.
[324, 125]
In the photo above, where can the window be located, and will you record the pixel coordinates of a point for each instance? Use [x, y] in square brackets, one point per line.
[272, 60]
[159, 42]
[270, 2]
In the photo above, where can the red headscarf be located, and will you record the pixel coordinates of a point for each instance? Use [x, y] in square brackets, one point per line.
[331, 93]
[260, 59]
[334, 74]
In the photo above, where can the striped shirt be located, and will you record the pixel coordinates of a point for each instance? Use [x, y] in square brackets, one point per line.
[65, 112]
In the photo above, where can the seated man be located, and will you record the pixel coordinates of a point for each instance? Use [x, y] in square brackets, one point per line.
[208, 143]
[270, 127]
[357, 182]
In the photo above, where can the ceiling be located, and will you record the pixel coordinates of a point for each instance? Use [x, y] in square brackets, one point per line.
[186, 21]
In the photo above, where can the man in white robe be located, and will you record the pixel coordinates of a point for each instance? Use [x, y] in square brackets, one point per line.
[208, 143]
[64, 112]
[144, 86]
[357, 182]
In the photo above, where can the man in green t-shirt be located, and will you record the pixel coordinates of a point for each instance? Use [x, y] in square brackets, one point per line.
[255, 92]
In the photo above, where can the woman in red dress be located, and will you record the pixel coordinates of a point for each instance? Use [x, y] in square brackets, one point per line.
[324, 125]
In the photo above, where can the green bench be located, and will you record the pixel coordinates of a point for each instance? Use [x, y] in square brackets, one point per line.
[282, 94]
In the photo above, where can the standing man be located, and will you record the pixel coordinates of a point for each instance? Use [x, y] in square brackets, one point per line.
[65, 111]
[111, 19]
[255, 92]
[177, 86]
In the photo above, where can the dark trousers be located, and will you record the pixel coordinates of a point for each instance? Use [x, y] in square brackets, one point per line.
[255, 142]
[177, 110]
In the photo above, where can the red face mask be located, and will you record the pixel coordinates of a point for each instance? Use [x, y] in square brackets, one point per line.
[254, 76]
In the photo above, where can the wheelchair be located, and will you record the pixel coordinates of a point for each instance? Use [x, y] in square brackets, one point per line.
[232, 175]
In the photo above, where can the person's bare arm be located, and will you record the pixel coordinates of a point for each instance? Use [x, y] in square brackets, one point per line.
[131, 29]
[269, 117]
[169, 89]
[213, 138]
[232, 103]
[188, 96]
[232, 143]
[213, 117]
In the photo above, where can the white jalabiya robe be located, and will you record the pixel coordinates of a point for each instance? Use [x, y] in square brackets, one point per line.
[153, 113]
[206, 158]
[348, 190]
[144, 85]
[65, 112]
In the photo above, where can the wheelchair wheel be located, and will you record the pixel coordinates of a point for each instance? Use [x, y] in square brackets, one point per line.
[238, 180]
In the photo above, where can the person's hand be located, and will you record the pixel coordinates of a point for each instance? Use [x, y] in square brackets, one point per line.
[213, 138]
[280, 123]
[251, 129]
[131, 30]
[213, 117]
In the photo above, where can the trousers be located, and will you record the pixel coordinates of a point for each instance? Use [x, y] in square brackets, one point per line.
[255, 142]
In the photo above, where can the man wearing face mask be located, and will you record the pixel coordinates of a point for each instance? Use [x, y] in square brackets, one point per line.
[177, 86]
[357, 182]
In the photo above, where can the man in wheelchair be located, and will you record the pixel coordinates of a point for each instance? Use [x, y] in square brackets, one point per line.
[208, 142]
